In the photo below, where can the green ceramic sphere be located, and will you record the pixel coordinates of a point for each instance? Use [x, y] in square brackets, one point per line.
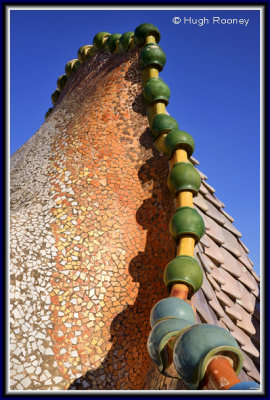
[55, 96]
[155, 89]
[193, 350]
[61, 81]
[153, 56]
[72, 66]
[110, 44]
[179, 139]
[171, 307]
[187, 221]
[84, 53]
[99, 39]
[159, 336]
[125, 40]
[186, 270]
[163, 123]
[144, 30]
[184, 176]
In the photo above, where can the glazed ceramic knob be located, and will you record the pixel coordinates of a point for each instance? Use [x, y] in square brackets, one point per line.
[195, 348]
[179, 139]
[184, 176]
[152, 55]
[61, 81]
[84, 53]
[72, 66]
[163, 123]
[125, 40]
[111, 42]
[186, 270]
[100, 38]
[159, 336]
[155, 89]
[187, 221]
[144, 30]
[55, 96]
[171, 307]
[248, 385]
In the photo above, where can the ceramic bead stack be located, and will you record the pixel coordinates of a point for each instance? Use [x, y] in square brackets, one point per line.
[113, 43]
[175, 339]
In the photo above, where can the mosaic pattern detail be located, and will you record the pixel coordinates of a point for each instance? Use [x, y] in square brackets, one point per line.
[90, 210]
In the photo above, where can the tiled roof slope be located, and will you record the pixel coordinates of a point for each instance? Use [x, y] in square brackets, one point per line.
[91, 170]
[230, 294]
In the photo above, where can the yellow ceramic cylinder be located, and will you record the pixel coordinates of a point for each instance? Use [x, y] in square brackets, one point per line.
[148, 73]
[158, 108]
[150, 39]
[186, 246]
[180, 155]
[184, 199]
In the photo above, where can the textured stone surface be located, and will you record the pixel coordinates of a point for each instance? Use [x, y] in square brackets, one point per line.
[89, 241]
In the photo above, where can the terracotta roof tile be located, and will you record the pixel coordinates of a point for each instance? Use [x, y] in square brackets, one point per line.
[231, 286]
[222, 204]
[251, 262]
[248, 280]
[194, 161]
[245, 342]
[247, 300]
[224, 298]
[215, 285]
[244, 258]
[214, 200]
[256, 336]
[204, 241]
[255, 276]
[213, 230]
[218, 276]
[228, 322]
[235, 312]
[213, 251]
[231, 264]
[209, 187]
[250, 368]
[246, 324]
[203, 189]
[214, 213]
[244, 246]
[231, 243]
[247, 362]
[230, 227]
[200, 202]
[254, 373]
[217, 307]
[227, 215]
[205, 219]
[203, 309]
[256, 313]
[202, 175]
[243, 376]
[206, 262]
[207, 289]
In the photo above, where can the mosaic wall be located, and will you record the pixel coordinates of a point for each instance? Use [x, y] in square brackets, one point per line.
[90, 210]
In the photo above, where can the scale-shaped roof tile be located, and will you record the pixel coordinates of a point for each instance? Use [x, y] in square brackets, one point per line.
[213, 251]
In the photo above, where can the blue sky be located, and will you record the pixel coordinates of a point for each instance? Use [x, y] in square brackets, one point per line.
[213, 71]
